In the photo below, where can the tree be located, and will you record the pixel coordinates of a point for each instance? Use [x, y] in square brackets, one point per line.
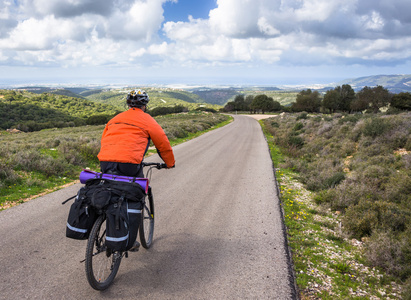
[382, 97]
[346, 97]
[307, 100]
[340, 98]
[360, 104]
[374, 98]
[262, 102]
[401, 101]
[330, 100]
[238, 104]
[247, 103]
[277, 106]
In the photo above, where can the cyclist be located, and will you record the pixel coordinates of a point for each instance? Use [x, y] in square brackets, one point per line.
[126, 139]
[127, 136]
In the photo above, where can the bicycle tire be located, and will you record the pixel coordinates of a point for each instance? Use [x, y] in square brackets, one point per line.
[101, 263]
[147, 222]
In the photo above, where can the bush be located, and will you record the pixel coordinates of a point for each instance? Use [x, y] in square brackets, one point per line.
[406, 293]
[98, 119]
[385, 251]
[295, 141]
[324, 196]
[375, 127]
[367, 216]
[334, 180]
[302, 115]
[398, 188]
[163, 110]
[408, 144]
[298, 126]
[275, 124]
[7, 175]
[360, 220]
[353, 164]
[33, 161]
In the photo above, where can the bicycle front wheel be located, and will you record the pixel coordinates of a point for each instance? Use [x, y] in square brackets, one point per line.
[147, 222]
[101, 263]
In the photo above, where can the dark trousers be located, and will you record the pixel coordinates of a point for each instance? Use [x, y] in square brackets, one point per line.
[125, 169]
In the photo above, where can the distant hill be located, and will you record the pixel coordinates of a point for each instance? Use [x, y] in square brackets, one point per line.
[394, 83]
[159, 97]
[215, 95]
[69, 92]
[28, 111]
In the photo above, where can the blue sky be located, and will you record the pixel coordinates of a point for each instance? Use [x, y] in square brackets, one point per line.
[225, 42]
[179, 11]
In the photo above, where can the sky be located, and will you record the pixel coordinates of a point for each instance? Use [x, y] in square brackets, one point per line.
[195, 42]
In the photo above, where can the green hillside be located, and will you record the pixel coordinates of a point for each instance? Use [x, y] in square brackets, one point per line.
[394, 83]
[216, 96]
[159, 97]
[29, 111]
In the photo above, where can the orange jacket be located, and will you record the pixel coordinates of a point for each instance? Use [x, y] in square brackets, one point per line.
[126, 138]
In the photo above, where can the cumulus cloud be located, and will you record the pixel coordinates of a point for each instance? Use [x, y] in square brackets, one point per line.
[316, 30]
[254, 32]
[67, 8]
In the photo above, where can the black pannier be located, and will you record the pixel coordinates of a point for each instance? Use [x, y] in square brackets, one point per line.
[96, 195]
[81, 217]
[122, 223]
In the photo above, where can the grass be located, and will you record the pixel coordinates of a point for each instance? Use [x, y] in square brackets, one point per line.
[328, 264]
[39, 162]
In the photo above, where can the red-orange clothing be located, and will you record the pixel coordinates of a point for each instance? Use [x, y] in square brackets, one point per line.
[126, 138]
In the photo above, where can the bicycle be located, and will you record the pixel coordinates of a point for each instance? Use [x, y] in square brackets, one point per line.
[101, 263]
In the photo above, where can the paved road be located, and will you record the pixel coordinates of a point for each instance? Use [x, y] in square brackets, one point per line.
[218, 234]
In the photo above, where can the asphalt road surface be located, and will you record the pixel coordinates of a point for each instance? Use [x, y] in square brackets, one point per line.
[218, 232]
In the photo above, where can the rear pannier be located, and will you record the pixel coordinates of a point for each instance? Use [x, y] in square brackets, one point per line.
[81, 217]
[122, 202]
[123, 220]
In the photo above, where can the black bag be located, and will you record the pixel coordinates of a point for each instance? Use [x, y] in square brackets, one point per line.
[81, 217]
[97, 195]
[122, 223]
[104, 191]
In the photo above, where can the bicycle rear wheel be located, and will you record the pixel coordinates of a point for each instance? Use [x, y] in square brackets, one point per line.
[101, 263]
[147, 222]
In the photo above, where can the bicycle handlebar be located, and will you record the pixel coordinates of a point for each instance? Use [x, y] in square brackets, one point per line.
[156, 165]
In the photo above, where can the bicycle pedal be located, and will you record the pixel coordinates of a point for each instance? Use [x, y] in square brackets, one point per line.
[135, 247]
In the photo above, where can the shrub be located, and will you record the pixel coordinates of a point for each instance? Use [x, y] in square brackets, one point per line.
[375, 127]
[375, 175]
[350, 118]
[275, 124]
[298, 126]
[334, 180]
[385, 251]
[302, 115]
[406, 293]
[325, 127]
[98, 119]
[398, 188]
[360, 219]
[367, 216]
[295, 141]
[33, 161]
[408, 144]
[324, 196]
[349, 193]
[7, 175]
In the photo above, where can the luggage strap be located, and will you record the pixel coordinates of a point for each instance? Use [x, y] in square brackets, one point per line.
[119, 203]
